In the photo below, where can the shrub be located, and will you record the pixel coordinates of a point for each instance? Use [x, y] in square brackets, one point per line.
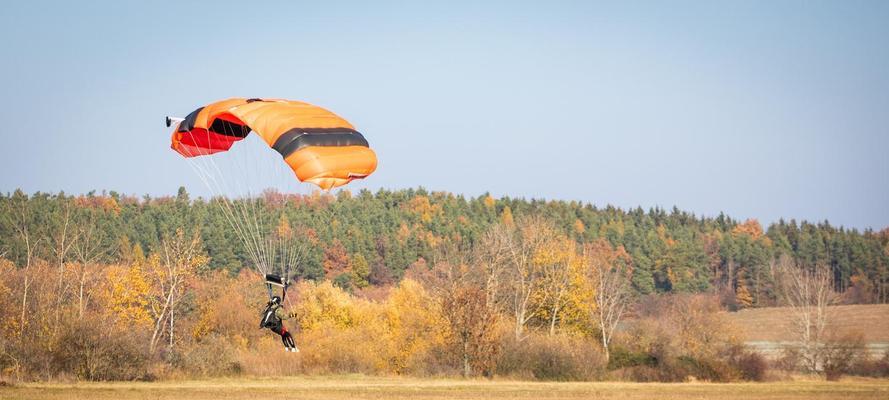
[551, 358]
[340, 351]
[683, 336]
[663, 369]
[868, 366]
[212, 356]
[709, 369]
[752, 366]
[621, 357]
[839, 355]
[790, 360]
[92, 351]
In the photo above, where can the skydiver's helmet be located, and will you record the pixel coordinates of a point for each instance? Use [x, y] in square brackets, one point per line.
[276, 300]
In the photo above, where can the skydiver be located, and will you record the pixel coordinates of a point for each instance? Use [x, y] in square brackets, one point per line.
[273, 318]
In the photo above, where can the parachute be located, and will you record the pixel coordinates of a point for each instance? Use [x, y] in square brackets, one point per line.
[319, 146]
[316, 146]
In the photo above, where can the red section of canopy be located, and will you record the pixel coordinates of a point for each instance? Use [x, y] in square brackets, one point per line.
[201, 142]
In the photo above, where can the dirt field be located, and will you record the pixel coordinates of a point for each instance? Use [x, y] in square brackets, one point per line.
[773, 324]
[397, 388]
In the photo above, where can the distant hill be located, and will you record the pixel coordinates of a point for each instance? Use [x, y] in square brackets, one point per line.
[774, 323]
[770, 329]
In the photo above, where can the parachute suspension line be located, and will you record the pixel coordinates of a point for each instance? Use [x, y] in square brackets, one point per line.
[201, 168]
[265, 208]
[245, 216]
[252, 209]
[247, 212]
[250, 214]
[209, 181]
[286, 249]
[291, 250]
[219, 187]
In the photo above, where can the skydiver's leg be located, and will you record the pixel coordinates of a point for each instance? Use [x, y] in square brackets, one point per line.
[280, 330]
[288, 341]
[286, 338]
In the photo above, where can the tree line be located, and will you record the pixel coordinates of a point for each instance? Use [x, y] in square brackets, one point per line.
[104, 286]
[373, 238]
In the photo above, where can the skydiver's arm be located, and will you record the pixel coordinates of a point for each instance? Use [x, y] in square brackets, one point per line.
[282, 315]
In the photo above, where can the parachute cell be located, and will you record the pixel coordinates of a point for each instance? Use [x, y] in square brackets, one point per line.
[319, 146]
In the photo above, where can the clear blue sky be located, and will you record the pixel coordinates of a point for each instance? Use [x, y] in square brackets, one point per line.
[759, 109]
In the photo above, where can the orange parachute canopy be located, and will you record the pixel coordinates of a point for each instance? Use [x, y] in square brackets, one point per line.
[319, 146]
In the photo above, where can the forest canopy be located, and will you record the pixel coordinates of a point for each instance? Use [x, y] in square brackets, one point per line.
[362, 239]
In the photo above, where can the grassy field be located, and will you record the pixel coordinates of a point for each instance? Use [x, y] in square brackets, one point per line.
[769, 330]
[346, 387]
[774, 323]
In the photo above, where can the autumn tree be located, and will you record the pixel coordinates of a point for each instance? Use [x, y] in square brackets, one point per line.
[19, 216]
[89, 249]
[697, 326]
[180, 258]
[128, 293]
[471, 324]
[525, 272]
[337, 262]
[491, 257]
[808, 292]
[559, 263]
[470, 320]
[360, 271]
[743, 296]
[609, 271]
[414, 326]
[62, 238]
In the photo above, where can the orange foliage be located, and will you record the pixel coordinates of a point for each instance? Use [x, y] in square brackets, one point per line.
[104, 203]
[283, 230]
[310, 235]
[743, 296]
[600, 252]
[579, 227]
[422, 207]
[336, 260]
[506, 217]
[489, 201]
[662, 234]
[403, 232]
[750, 227]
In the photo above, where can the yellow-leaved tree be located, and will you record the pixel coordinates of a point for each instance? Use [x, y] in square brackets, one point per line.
[8, 323]
[557, 261]
[414, 327]
[608, 270]
[524, 246]
[323, 305]
[743, 296]
[180, 258]
[128, 293]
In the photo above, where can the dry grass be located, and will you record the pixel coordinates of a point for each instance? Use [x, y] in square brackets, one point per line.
[358, 387]
[773, 324]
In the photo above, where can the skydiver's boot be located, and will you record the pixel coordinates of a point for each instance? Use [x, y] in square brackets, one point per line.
[289, 343]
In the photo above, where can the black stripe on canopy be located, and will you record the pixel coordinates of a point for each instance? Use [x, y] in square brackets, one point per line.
[297, 138]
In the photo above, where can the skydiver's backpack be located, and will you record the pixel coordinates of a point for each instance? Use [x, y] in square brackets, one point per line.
[269, 319]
